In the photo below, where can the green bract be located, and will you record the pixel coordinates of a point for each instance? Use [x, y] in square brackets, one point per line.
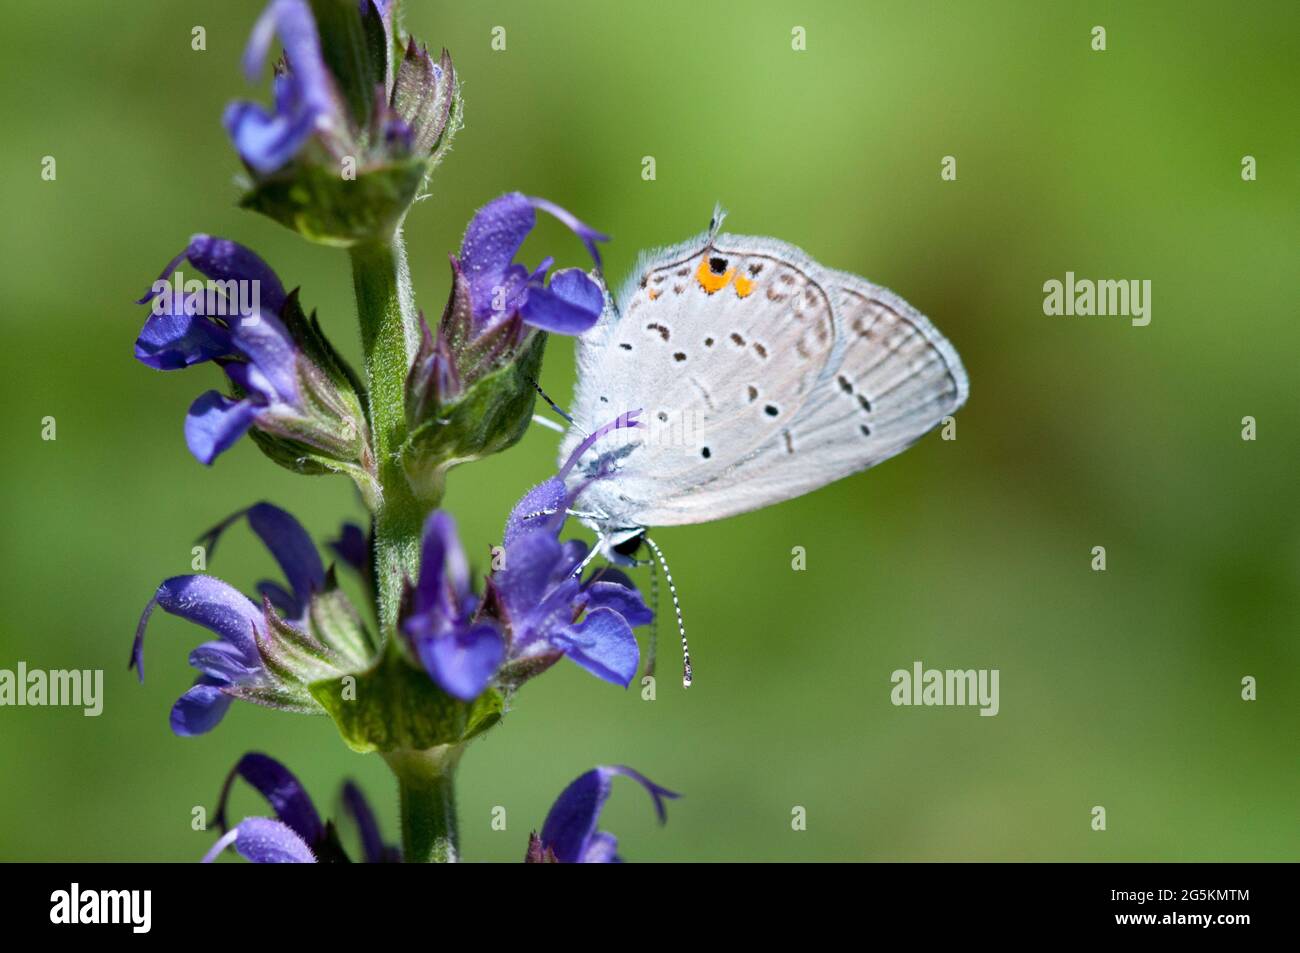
[394, 706]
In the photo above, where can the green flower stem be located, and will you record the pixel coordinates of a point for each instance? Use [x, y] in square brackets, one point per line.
[428, 803]
[390, 335]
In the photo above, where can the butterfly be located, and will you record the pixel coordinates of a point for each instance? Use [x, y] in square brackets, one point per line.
[747, 374]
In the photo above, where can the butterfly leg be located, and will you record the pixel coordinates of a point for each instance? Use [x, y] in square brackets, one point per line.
[548, 423]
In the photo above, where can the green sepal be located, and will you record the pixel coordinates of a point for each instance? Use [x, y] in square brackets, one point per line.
[331, 641]
[308, 335]
[335, 621]
[317, 202]
[394, 706]
[331, 432]
[489, 417]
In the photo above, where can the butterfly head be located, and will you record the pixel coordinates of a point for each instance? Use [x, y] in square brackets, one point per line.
[621, 546]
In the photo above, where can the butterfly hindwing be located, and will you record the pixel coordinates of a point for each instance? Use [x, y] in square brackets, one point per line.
[895, 378]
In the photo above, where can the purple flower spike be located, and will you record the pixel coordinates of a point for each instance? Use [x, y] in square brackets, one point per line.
[499, 288]
[570, 836]
[306, 102]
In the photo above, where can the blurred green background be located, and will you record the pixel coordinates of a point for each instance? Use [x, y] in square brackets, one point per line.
[1119, 689]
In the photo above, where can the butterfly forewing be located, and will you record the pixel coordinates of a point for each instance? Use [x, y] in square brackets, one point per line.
[719, 347]
[762, 376]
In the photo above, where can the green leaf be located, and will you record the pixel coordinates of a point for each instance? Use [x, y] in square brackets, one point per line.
[395, 706]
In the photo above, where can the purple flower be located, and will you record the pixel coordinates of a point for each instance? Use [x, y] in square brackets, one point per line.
[542, 603]
[471, 387]
[459, 653]
[500, 288]
[550, 612]
[353, 547]
[231, 660]
[238, 320]
[496, 303]
[537, 611]
[260, 655]
[569, 835]
[307, 102]
[253, 346]
[545, 506]
[296, 835]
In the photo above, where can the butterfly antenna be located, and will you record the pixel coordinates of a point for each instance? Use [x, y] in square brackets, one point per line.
[553, 405]
[677, 607]
[652, 644]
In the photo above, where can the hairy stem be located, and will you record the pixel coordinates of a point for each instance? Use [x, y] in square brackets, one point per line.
[390, 335]
[428, 803]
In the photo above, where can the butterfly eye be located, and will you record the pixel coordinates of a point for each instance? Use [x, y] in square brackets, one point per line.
[629, 547]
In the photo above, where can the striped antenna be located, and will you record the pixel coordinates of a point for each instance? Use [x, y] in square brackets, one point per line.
[677, 607]
[652, 643]
[547, 397]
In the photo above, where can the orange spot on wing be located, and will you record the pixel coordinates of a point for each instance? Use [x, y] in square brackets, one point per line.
[744, 286]
[651, 293]
[711, 282]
